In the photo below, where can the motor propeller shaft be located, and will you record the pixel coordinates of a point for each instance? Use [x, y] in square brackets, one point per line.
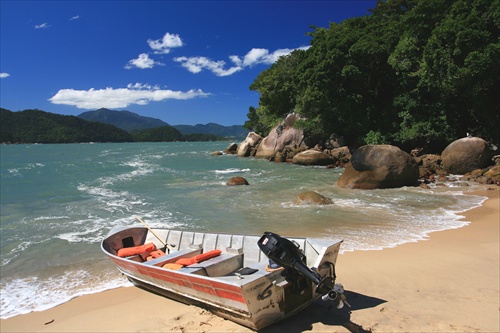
[336, 295]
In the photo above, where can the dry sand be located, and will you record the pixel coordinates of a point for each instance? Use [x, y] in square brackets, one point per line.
[448, 283]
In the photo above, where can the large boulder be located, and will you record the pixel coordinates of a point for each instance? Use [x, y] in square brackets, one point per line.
[281, 136]
[312, 157]
[379, 166]
[466, 154]
[250, 142]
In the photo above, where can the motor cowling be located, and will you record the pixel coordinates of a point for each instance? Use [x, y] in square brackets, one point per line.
[287, 254]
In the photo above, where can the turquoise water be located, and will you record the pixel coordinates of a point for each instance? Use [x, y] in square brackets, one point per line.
[59, 201]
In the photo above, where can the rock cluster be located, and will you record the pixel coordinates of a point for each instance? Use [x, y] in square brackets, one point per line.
[374, 166]
[469, 157]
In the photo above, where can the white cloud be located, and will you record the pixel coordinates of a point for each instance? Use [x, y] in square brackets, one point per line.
[4, 75]
[76, 17]
[120, 97]
[143, 61]
[262, 56]
[254, 57]
[197, 64]
[139, 85]
[42, 26]
[163, 46]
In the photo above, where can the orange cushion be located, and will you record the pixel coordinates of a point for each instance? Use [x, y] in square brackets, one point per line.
[155, 254]
[198, 258]
[130, 251]
[185, 261]
[173, 266]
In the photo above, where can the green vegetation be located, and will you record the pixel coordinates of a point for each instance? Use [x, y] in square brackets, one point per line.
[126, 120]
[413, 73]
[35, 126]
[159, 134]
[135, 124]
[231, 132]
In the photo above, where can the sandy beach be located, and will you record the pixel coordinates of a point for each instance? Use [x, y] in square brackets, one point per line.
[447, 283]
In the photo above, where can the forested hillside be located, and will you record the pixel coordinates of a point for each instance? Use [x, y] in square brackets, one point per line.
[125, 120]
[35, 126]
[169, 134]
[159, 134]
[233, 132]
[413, 73]
[137, 124]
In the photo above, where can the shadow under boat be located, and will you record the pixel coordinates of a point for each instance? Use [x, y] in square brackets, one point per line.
[327, 314]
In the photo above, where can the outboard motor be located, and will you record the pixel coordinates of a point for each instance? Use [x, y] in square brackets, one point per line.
[288, 255]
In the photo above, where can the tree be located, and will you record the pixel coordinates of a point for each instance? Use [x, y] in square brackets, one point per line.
[253, 123]
[413, 73]
[277, 89]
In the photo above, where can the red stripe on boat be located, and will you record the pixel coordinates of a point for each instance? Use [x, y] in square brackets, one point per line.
[215, 288]
[230, 295]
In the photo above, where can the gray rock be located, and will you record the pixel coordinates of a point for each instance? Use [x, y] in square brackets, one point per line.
[281, 136]
[231, 149]
[311, 197]
[312, 157]
[465, 155]
[250, 142]
[379, 166]
[216, 153]
[237, 181]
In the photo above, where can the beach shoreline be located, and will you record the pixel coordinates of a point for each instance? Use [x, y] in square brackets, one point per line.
[446, 283]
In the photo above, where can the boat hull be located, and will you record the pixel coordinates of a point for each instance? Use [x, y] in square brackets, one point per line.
[255, 300]
[241, 319]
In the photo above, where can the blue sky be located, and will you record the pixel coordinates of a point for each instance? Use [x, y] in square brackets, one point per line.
[184, 62]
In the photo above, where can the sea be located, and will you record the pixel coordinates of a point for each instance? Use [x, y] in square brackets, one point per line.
[58, 202]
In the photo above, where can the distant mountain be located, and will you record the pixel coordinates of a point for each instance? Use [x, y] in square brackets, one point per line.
[125, 120]
[36, 126]
[233, 132]
[134, 123]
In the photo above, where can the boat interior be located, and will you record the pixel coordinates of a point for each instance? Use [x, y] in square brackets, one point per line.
[207, 254]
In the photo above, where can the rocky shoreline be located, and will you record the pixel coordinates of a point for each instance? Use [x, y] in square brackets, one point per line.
[375, 166]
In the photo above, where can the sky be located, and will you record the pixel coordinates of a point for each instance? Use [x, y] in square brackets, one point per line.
[184, 62]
